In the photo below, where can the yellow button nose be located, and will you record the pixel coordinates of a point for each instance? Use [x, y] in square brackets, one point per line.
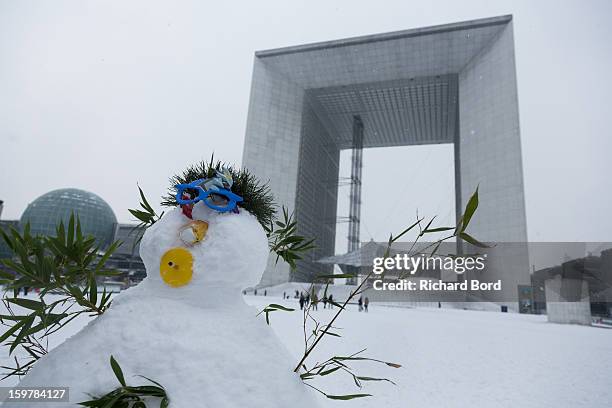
[176, 267]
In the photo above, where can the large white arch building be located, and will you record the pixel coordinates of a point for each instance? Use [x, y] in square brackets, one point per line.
[453, 83]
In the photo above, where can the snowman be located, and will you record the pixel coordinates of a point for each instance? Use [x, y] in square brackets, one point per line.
[186, 325]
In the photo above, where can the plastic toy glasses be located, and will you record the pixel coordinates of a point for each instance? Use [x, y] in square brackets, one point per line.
[218, 199]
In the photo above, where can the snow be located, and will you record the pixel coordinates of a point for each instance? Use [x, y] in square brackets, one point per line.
[201, 340]
[205, 345]
[450, 358]
[460, 358]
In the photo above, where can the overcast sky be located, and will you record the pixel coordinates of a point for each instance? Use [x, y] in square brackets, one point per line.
[101, 95]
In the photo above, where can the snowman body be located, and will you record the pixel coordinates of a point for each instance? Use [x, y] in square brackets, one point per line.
[199, 340]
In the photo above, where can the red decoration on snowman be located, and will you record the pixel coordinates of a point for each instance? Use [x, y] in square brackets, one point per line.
[187, 208]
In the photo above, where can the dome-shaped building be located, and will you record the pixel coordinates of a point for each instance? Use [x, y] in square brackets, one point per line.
[96, 216]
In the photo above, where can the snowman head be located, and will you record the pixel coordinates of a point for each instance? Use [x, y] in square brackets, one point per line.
[210, 251]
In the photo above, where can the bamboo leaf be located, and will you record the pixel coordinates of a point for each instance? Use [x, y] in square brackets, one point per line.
[117, 370]
[375, 379]
[93, 290]
[418, 221]
[330, 371]
[27, 303]
[470, 209]
[336, 276]
[12, 330]
[466, 237]
[27, 323]
[280, 307]
[440, 229]
[347, 396]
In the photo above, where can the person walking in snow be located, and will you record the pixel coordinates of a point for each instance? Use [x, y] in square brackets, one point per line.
[366, 302]
[302, 301]
[330, 299]
[360, 303]
[324, 301]
[315, 300]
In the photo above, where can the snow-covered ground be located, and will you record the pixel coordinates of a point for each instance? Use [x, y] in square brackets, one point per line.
[453, 358]
[458, 358]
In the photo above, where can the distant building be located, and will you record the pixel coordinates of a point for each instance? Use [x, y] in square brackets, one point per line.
[46, 212]
[595, 271]
[97, 219]
[126, 258]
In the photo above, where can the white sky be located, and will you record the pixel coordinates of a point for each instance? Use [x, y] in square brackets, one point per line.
[101, 95]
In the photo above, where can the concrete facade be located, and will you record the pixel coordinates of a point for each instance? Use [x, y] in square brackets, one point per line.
[454, 83]
[567, 301]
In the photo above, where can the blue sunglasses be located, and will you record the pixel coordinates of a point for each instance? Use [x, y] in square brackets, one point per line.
[218, 199]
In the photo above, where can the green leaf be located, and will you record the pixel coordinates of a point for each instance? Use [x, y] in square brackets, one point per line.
[336, 276]
[27, 303]
[307, 376]
[147, 217]
[145, 203]
[70, 232]
[284, 241]
[272, 307]
[466, 237]
[117, 370]
[355, 358]
[374, 379]
[76, 292]
[470, 209]
[12, 330]
[111, 403]
[153, 381]
[440, 229]
[347, 397]
[280, 307]
[333, 302]
[392, 239]
[330, 371]
[27, 323]
[123, 396]
[93, 290]
[427, 226]
[11, 317]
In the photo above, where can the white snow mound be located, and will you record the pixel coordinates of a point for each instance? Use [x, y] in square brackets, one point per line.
[200, 341]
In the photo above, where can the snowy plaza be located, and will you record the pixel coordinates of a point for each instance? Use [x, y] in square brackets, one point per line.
[453, 358]
[462, 358]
